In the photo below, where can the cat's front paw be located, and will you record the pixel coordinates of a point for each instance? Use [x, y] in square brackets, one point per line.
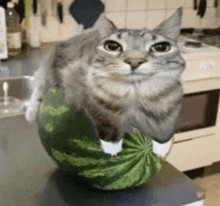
[161, 149]
[110, 147]
[32, 111]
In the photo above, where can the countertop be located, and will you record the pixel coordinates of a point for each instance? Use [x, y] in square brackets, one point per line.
[29, 177]
[26, 63]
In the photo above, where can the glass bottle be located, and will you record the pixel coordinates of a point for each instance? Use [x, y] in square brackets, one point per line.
[13, 30]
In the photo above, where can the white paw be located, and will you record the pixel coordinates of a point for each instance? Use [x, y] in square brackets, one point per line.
[161, 149]
[31, 111]
[111, 148]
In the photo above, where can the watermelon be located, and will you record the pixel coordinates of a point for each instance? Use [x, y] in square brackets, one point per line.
[69, 138]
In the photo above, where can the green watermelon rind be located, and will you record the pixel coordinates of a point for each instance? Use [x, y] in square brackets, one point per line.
[65, 135]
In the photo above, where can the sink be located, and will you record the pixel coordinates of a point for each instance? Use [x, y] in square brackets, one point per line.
[20, 89]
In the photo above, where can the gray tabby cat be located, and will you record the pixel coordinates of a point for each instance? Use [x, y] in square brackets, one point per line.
[123, 79]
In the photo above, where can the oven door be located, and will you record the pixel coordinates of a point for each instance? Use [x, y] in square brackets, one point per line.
[197, 142]
[199, 111]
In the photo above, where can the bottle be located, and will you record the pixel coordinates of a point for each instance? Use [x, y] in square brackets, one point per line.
[3, 38]
[13, 30]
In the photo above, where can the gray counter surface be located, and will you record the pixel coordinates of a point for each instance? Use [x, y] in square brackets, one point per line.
[25, 63]
[29, 177]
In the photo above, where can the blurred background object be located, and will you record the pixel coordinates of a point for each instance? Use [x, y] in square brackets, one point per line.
[19, 7]
[58, 20]
[3, 38]
[14, 34]
[86, 12]
[3, 3]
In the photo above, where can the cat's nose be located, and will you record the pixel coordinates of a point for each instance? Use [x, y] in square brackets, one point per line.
[135, 62]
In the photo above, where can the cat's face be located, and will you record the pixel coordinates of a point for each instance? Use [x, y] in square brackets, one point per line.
[135, 55]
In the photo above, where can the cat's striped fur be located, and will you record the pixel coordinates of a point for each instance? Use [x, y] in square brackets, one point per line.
[123, 79]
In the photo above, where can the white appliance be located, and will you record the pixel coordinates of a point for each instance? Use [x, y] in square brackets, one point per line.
[3, 39]
[197, 140]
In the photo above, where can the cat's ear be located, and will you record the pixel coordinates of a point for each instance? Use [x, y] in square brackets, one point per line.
[171, 26]
[104, 26]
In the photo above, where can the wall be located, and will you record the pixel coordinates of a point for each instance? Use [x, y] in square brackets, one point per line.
[127, 13]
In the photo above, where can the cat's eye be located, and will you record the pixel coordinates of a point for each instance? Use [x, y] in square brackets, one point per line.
[161, 47]
[112, 46]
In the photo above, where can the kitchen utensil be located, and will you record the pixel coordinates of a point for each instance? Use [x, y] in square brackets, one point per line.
[35, 6]
[43, 12]
[60, 11]
[195, 4]
[86, 12]
[202, 8]
[5, 89]
[33, 31]
[216, 5]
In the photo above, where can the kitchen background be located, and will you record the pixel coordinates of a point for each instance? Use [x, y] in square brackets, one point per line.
[138, 14]
[125, 13]
[132, 14]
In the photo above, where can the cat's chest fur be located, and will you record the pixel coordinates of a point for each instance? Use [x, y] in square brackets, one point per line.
[122, 101]
[126, 93]
[116, 91]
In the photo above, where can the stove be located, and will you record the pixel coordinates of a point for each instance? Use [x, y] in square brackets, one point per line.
[196, 141]
[207, 36]
[202, 60]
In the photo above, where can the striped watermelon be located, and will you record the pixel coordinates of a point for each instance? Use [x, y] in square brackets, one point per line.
[68, 138]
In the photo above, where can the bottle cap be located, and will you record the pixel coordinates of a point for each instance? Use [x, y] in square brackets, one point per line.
[10, 4]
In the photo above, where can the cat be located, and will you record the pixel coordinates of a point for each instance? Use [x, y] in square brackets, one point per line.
[123, 79]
